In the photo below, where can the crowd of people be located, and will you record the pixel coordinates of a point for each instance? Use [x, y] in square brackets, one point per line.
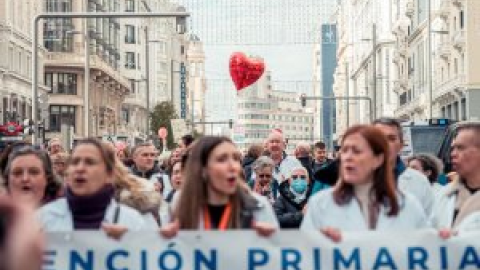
[208, 184]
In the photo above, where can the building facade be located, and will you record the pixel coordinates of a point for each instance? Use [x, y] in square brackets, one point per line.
[64, 72]
[16, 59]
[456, 73]
[366, 70]
[261, 109]
[448, 64]
[197, 83]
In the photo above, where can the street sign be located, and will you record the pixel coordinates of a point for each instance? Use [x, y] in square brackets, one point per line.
[179, 128]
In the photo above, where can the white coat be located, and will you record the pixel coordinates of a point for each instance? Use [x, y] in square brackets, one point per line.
[263, 213]
[56, 216]
[323, 211]
[417, 184]
[444, 210]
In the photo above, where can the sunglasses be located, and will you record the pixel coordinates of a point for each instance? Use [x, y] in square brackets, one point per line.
[303, 177]
[264, 176]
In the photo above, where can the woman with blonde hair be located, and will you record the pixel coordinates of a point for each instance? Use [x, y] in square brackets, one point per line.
[213, 196]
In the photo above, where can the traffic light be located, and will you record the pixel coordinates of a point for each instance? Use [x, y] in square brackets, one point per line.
[230, 123]
[303, 99]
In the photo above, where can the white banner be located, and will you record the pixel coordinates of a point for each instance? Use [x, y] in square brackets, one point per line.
[286, 250]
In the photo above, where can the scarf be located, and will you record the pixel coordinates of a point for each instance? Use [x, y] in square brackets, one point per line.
[88, 212]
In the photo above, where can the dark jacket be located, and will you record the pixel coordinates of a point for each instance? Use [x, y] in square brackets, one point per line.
[329, 173]
[289, 213]
[148, 174]
[307, 163]
[247, 165]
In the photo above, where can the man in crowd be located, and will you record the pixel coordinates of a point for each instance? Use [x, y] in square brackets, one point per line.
[460, 200]
[303, 154]
[144, 156]
[408, 180]
[284, 164]
[55, 146]
[320, 154]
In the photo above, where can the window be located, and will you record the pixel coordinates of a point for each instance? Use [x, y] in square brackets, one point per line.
[130, 34]
[125, 115]
[130, 5]
[133, 85]
[61, 115]
[138, 57]
[462, 17]
[61, 83]
[130, 60]
[463, 108]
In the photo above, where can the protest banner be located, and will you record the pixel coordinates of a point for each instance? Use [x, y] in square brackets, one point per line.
[285, 250]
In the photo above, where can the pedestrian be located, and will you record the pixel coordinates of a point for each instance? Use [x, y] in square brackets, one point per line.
[320, 155]
[176, 175]
[185, 142]
[430, 166]
[320, 161]
[213, 196]
[138, 194]
[55, 146]
[290, 206]
[89, 203]
[458, 205]
[303, 154]
[144, 157]
[263, 182]
[253, 153]
[365, 197]
[284, 164]
[60, 163]
[407, 179]
[29, 177]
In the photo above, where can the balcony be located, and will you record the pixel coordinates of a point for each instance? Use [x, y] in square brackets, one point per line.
[414, 105]
[410, 9]
[444, 50]
[458, 3]
[399, 85]
[402, 51]
[458, 40]
[444, 9]
[449, 86]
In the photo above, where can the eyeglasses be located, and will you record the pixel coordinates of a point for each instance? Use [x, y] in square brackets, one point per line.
[303, 177]
[264, 176]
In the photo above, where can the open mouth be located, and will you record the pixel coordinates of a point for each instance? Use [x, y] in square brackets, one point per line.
[231, 180]
[26, 188]
[79, 180]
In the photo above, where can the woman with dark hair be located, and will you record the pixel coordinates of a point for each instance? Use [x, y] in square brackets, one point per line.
[214, 196]
[430, 166]
[89, 202]
[365, 197]
[29, 177]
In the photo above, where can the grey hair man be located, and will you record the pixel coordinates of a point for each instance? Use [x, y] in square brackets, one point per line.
[458, 206]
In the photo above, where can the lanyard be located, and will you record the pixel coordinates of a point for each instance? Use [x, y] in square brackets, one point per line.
[223, 221]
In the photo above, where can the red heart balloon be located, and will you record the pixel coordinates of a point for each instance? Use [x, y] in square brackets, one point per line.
[245, 71]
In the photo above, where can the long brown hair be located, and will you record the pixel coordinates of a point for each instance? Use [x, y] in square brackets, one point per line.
[383, 190]
[193, 197]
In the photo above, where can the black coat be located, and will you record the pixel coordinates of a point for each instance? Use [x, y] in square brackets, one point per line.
[289, 213]
[247, 167]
